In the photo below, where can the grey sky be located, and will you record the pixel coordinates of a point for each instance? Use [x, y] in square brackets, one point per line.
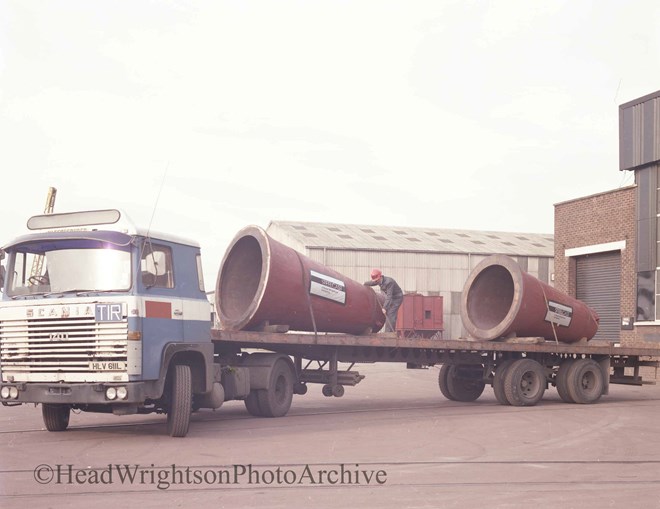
[449, 114]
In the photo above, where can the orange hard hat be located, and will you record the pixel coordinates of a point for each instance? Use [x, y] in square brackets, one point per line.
[375, 274]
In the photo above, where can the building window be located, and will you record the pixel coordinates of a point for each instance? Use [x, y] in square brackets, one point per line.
[647, 246]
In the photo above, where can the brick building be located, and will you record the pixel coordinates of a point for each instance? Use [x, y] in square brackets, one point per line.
[595, 235]
[606, 245]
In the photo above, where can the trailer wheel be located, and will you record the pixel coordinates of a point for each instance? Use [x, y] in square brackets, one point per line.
[180, 408]
[498, 381]
[561, 381]
[585, 381]
[461, 382]
[56, 417]
[326, 390]
[524, 383]
[252, 403]
[276, 400]
[443, 381]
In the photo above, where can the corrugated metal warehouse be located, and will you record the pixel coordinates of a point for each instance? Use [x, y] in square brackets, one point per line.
[428, 261]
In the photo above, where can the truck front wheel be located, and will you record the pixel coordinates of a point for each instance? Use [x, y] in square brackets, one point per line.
[56, 417]
[180, 408]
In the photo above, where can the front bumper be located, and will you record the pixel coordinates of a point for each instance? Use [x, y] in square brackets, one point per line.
[80, 393]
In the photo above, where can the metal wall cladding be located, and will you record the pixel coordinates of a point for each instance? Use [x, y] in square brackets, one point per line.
[263, 282]
[500, 300]
[639, 132]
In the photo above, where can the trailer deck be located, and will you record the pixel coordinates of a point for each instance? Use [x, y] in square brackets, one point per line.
[389, 341]
[581, 371]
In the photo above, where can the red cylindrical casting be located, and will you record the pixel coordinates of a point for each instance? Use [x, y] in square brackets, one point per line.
[500, 299]
[263, 282]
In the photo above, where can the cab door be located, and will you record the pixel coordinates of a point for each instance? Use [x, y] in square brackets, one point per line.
[162, 306]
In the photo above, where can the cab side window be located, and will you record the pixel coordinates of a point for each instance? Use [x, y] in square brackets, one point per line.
[156, 266]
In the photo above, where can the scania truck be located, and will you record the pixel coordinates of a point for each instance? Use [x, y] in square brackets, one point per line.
[98, 315]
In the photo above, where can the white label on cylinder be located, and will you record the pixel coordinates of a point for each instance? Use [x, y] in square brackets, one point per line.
[327, 287]
[559, 314]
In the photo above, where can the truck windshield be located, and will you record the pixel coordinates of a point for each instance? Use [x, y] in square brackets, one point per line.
[67, 265]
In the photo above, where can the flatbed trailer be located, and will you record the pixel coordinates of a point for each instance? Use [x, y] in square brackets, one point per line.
[104, 328]
[518, 369]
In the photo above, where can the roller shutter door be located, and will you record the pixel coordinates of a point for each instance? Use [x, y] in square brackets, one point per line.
[598, 285]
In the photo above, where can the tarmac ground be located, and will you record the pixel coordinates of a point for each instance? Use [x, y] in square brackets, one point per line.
[392, 441]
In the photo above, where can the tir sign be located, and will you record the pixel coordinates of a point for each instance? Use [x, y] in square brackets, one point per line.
[108, 312]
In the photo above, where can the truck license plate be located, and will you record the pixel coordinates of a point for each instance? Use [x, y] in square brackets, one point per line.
[107, 366]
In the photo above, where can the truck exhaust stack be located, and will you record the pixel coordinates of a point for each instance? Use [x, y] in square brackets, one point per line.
[501, 300]
[262, 282]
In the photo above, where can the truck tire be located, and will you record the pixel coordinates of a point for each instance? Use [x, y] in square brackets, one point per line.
[498, 381]
[276, 400]
[252, 403]
[56, 417]
[457, 385]
[524, 383]
[180, 408]
[443, 382]
[561, 381]
[584, 381]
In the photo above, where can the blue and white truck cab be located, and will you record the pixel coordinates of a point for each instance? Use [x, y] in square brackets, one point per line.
[100, 316]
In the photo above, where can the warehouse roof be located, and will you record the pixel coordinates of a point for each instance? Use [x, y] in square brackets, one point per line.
[393, 238]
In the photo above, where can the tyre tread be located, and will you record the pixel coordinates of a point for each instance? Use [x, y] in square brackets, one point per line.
[178, 415]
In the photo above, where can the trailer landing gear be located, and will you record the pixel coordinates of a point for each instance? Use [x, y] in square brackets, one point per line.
[333, 390]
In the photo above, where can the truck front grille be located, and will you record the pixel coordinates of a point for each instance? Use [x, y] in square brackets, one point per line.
[62, 349]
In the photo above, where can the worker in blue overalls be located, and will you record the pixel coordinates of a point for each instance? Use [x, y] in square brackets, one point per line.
[393, 297]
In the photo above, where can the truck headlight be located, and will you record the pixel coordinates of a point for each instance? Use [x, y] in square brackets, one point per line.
[13, 393]
[111, 393]
[4, 392]
[122, 392]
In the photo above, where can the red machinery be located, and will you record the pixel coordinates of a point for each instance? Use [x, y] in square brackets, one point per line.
[420, 316]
